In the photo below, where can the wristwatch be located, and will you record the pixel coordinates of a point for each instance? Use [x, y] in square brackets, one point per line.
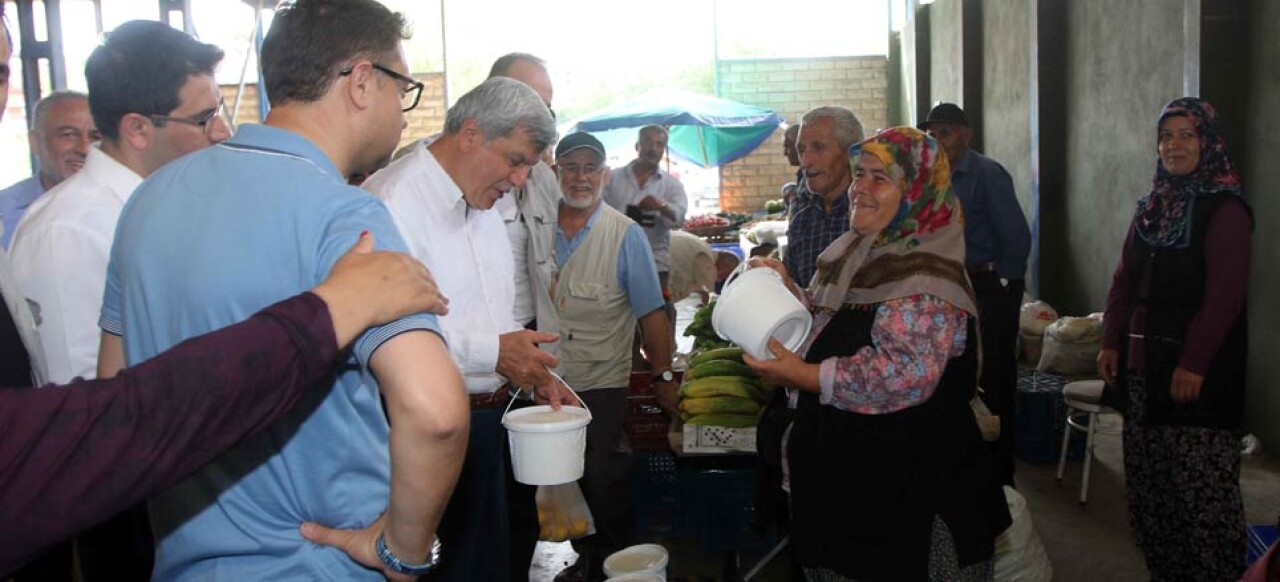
[664, 376]
[395, 564]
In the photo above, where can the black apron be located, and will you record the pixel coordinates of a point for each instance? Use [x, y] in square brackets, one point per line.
[865, 488]
[1174, 295]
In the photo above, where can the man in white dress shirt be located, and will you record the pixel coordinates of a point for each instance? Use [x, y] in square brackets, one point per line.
[440, 195]
[650, 196]
[152, 103]
[153, 98]
[529, 214]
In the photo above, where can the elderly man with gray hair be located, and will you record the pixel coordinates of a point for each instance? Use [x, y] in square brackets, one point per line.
[820, 210]
[440, 195]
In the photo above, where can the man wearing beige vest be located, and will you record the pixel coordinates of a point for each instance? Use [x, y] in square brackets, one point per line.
[606, 283]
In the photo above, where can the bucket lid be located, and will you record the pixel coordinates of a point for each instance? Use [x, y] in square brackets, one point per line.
[638, 558]
[543, 418]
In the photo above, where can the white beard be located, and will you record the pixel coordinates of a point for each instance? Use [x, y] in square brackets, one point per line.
[581, 203]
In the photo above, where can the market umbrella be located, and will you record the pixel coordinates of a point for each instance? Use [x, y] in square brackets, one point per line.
[705, 130]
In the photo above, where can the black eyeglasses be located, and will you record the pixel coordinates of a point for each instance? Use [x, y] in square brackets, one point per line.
[411, 93]
[205, 122]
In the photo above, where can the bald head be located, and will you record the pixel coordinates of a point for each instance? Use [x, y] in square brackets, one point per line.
[527, 69]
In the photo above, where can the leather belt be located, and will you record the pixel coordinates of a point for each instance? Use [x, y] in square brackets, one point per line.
[496, 399]
[982, 268]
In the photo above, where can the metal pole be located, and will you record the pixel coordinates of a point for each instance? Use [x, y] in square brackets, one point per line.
[183, 7]
[444, 56]
[715, 46]
[33, 51]
[264, 104]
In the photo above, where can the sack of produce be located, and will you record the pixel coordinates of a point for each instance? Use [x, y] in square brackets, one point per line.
[563, 513]
[1071, 345]
[1035, 317]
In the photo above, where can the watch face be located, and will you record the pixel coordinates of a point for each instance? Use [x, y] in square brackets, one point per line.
[666, 376]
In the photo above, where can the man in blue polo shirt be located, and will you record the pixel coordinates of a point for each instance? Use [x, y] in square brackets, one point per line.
[62, 130]
[606, 283]
[213, 237]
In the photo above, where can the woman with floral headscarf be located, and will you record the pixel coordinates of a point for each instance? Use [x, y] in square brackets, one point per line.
[1175, 345]
[884, 460]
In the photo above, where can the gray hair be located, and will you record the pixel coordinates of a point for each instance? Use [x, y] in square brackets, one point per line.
[500, 106]
[41, 109]
[847, 129]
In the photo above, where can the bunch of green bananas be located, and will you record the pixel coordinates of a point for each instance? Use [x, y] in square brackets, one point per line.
[704, 336]
[720, 390]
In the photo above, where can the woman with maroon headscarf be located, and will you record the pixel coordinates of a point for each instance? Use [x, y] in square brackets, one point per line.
[1175, 347]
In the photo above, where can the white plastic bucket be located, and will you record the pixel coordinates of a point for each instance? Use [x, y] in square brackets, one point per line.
[639, 560]
[548, 446]
[756, 305]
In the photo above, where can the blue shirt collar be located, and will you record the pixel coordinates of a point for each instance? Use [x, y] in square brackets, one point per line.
[965, 165]
[274, 139]
[591, 220]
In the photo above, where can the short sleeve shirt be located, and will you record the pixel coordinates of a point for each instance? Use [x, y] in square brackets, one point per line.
[205, 242]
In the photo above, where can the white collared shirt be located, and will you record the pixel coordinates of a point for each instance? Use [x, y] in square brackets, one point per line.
[467, 252]
[508, 207]
[59, 257]
[622, 190]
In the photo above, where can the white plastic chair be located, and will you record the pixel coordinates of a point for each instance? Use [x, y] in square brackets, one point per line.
[1083, 399]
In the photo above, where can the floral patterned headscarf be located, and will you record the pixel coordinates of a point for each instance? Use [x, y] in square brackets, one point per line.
[920, 251]
[1163, 218]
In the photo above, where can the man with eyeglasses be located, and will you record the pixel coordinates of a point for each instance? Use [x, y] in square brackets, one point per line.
[210, 239]
[441, 195]
[607, 283]
[153, 98]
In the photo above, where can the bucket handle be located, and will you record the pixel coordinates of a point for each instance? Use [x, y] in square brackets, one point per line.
[566, 385]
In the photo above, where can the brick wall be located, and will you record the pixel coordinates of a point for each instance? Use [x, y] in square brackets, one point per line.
[791, 87]
[426, 119]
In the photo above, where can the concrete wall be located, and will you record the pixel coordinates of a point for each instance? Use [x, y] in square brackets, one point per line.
[1007, 94]
[1071, 92]
[1262, 141]
[1124, 61]
[791, 87]
[946, 45]
[424, 120]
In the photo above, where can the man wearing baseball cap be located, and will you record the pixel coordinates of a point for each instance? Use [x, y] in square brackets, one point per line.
[997, 242]
[607, 282]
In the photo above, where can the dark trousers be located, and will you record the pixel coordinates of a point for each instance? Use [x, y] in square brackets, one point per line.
[998, 308]
[606, 484]
[119, 549]
[478, 528]
[53, 566]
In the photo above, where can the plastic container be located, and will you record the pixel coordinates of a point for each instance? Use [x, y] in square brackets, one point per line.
[638, 578]
[756, 305]
[650, 559]
[548, 446]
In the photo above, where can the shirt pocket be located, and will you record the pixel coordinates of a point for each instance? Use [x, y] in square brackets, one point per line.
[586, 336]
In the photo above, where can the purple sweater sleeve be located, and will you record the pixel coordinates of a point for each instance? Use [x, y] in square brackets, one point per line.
[72, 456]
[1226, 249]
[1113, 319]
